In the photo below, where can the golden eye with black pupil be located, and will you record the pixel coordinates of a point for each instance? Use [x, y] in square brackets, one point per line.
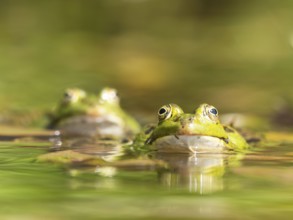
[164, 112]
[211, 112]
[214, 111]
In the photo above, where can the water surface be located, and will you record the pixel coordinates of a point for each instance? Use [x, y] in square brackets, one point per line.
[213, 186]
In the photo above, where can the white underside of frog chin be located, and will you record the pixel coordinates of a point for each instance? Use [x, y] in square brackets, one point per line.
[189, 144]
[105, 126]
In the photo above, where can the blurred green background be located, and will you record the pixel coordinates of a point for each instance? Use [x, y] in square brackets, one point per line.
[236, 55]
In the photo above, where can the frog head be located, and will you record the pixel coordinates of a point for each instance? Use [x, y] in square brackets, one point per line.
[178, 131]
[74, 102]
[72, 95]
[79, 113]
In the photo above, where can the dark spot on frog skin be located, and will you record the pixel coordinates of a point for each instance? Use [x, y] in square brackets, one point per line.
[185, 121]
[149, 129]
[226, 140]
[176, 119]
[228, 129]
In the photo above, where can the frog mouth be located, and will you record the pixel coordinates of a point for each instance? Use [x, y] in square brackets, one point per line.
[189, 144]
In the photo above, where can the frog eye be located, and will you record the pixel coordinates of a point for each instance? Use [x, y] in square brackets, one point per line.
[73, 95]
[68, 96]
[109, 95]
[164, 112]
[213, 111]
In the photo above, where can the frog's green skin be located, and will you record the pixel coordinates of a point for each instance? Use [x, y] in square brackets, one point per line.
[82, 114]
[199, 132]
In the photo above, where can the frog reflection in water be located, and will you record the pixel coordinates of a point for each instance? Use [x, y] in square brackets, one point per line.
[202, 131]
[84, 114]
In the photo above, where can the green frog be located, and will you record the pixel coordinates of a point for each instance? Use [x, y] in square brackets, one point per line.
[201, 131]
[82, 114]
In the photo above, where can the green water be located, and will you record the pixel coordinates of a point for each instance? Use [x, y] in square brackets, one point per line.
[256, 186]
